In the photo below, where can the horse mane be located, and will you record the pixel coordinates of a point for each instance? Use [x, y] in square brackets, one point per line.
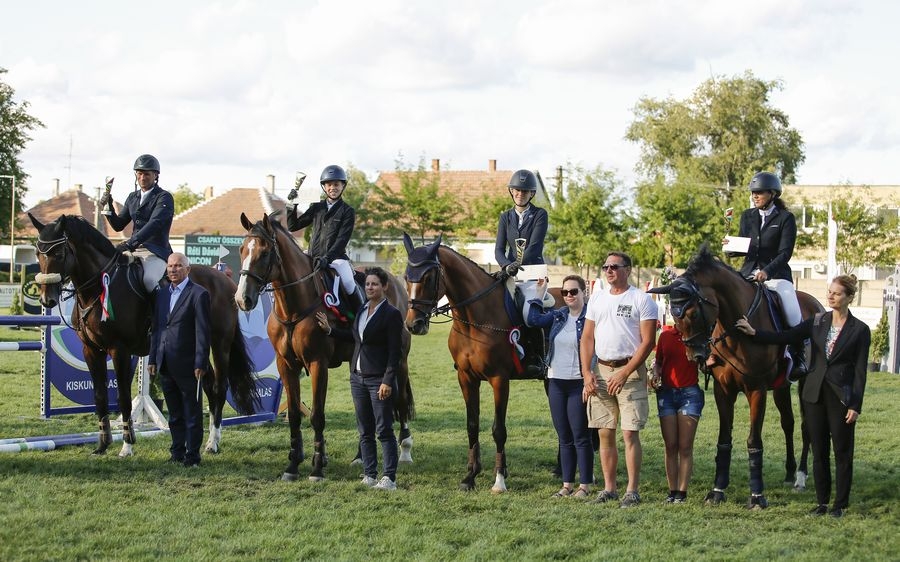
[466, 259]
[704, 260]
[78, 228]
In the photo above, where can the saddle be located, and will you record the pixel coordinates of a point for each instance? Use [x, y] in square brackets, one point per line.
[337, 299]
[533, 341]
[132, 269]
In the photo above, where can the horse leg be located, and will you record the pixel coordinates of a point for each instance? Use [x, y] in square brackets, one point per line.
[124, 375]
[725, 405]
[470, 391]
[291, 382]
[216, 390]
[96, 363]
[501, 400]
[405, 413]
[802, 472]
[318, 375]
[782, 398]
[757, 399]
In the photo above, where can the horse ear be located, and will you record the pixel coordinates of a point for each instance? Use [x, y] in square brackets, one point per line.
[408, 243]
[437, 243]
[664, 290]
[245, 222]
[37, 224]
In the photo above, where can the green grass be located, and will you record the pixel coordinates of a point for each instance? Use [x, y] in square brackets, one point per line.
[67, 505]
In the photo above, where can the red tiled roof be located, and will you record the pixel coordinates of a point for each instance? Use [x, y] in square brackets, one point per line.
[222, 213]
[71, 202]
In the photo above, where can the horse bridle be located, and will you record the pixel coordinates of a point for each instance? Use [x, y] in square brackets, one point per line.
[58, 278]
[695, 297]
[415, 272]
[273, 257]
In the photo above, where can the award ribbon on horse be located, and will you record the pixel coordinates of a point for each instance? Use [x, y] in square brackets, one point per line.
[105, 301]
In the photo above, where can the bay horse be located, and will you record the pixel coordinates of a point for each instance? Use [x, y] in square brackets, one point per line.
[71, 249]
[706, 300]
[480, 338]
[269, 254]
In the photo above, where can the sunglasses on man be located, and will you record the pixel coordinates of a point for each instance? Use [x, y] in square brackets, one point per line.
[612, 267]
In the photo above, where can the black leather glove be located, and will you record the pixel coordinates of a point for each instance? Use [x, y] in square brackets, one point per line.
[124, 247]
[292, 194]
[513, 268]
[105, 200]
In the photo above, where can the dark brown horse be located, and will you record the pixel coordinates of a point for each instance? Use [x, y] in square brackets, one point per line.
[269, 254]
[70, 248]
[706, 302]
[480, 339]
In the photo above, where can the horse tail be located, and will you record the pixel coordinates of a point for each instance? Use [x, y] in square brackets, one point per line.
[242, 375]
[405, 408]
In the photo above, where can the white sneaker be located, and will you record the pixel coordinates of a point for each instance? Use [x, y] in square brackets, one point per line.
[385, 484]
[367, 481]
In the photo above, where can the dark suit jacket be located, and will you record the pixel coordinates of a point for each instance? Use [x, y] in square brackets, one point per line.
[331, 228]
[181, 339]
[771, 249]
[533, 229]
[378, 350]
[152, 220]
[845, 371]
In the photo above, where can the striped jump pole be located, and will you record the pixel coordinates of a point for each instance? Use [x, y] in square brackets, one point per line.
[51, 442]
[26, 321]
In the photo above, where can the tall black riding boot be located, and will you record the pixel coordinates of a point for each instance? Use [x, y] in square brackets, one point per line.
[798, 356]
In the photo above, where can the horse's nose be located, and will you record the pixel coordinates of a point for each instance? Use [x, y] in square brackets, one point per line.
[244, 303]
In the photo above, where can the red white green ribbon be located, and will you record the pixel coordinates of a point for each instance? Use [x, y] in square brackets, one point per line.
[105, 302]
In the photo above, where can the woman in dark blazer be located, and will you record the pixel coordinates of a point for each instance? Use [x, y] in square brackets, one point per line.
[377, 334]
[833, 393]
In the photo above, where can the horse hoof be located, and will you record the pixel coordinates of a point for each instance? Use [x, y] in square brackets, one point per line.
[288, 477]
[466, 487]
[99, 451]
[497, 491]
[800, 481]
[316, 478]
[714, 498]
[126, 451]
[757, 503]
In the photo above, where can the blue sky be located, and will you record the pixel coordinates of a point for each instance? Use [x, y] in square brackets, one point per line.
[224, 93]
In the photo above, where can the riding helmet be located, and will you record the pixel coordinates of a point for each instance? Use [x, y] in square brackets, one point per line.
[523, 180]
[146, 162]
[333, 173]
[766, 181]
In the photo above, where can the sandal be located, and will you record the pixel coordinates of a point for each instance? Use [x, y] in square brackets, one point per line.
[562, 493]
[581, 494]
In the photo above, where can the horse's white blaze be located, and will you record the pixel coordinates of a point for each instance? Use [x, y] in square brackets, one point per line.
[215, 435]
[245, 265]
[127, 450]
[414, 291]
[406, 450]
[499, 486]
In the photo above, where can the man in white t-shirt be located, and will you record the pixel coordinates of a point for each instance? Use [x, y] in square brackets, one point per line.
[620, 330]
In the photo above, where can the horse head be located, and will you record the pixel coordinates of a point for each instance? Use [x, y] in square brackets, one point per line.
[55, 258]
[259, 256]
[695, 316]
[423, 283]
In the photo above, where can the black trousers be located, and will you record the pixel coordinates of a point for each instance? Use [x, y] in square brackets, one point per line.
[185, 416]
[828, 428]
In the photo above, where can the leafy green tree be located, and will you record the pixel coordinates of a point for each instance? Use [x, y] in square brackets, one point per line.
[864, 236]
[185, 198]
[591, 219]
[358, 195]
[15, 128]
[721, 135]
[674, 220]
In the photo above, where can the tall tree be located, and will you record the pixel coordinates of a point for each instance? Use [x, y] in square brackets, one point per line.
[185, 198]
[721, 135]
[358, 195]
[15, 128]
[591, 219]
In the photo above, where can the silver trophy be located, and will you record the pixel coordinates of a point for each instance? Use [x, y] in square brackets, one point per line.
[108, 195]
[292, 196]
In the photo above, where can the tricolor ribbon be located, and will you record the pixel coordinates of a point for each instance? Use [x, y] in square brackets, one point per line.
[105, 302]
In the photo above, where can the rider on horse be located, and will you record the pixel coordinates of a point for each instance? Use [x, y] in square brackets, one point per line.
[772, 230]
[520, 241]
[333, 220]
[151, 209]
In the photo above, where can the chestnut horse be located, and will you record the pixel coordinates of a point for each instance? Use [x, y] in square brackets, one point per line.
[269, 254]
[479, 342]
[706, 300]
[70, 248]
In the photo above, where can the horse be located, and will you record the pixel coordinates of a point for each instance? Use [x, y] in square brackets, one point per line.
[482, 340]
[269, 254]
[71, 249]
[706, 300]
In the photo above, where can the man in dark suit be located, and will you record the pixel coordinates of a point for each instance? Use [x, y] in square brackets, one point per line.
[179, 352]
[151, 209]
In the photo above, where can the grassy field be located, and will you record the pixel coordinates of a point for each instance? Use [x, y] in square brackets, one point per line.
[67, 505]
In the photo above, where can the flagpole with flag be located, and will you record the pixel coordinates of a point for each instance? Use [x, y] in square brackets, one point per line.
[833, 268]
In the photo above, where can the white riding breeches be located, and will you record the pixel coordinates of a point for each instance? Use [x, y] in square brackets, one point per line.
[345, 272]
[154, 268]
[789, 302]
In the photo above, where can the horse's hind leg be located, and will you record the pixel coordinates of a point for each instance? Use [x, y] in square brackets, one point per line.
[470, 391]
[318, 375]
[782, 398]
[802, 472]
[405, 413]
[216, 391]
[96, 363]
[124, 375]
[501, 400]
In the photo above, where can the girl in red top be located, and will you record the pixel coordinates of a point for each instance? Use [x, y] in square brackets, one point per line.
[680, 402]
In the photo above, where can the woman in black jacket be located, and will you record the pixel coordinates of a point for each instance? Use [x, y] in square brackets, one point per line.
[833, 393]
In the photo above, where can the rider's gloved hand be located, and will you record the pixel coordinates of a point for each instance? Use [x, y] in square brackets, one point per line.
[124, 247]
[292, 194]
[513, 268]
[105, 200]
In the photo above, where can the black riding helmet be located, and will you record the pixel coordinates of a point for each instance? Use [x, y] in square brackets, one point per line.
[766, 181]
[523, 180]
[146, 162]
[333, 173]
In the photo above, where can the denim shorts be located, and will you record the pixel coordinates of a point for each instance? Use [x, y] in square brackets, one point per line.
[687, 401]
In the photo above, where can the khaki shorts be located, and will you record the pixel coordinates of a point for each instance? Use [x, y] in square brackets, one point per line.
[631, 405]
